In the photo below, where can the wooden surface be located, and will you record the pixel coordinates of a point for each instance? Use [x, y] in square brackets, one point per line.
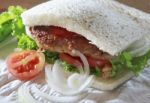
[140, 4]
[24, 3]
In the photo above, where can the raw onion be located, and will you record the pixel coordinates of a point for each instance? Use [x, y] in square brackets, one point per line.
[61, 87]
[140, 47]
[25, 96]
[58, 73]
[75, 83]
[84, 60]
[74, 86]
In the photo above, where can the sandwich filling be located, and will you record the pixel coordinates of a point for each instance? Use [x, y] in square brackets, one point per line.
[57, 39]
[62, 42]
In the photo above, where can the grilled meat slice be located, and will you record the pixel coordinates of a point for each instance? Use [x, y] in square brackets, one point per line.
[60, 40]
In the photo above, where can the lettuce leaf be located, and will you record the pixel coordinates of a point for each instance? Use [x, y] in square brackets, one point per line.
[11, 26]
[7, 20]
[12, 13]
[96, 71]
[126, 61]
[51, 57]
[68, 67]
[25, 42]
[4, 33]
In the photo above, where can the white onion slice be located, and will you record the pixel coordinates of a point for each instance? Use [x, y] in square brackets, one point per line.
[84, 60]
[88, 82]
[58, 86]
[75, 80]
[75, 83]
[62, 99]
[140, 47]
[58, 73]
[25, 96]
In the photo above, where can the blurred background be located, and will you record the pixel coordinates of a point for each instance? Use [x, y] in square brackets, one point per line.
[139, 4]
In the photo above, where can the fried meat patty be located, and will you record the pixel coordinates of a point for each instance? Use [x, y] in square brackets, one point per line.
[60, 40]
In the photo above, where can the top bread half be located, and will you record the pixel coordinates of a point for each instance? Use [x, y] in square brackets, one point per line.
[109, 25]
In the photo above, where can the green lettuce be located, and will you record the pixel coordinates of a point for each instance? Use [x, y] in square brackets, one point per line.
[7, 21]
[68, 67]
[126, 61]
[96, 71]
[25, 42]
[4, 33]
[51, 57]
[11, 27]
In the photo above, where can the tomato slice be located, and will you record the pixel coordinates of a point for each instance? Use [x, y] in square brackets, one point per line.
[98, 62]
[25, 65]
[75, 61]
[70, 60]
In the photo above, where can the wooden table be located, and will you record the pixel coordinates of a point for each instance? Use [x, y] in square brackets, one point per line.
[4, 4]
[140, 4]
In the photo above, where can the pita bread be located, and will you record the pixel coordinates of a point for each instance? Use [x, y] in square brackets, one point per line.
[109, 25]
[106, 23]
[112, 83]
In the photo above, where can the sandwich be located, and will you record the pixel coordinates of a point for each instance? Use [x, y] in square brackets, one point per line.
[113, 38]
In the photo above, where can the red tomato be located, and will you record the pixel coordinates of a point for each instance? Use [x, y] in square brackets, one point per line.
[98, 62]
[70, 60]
[25, 65]
[75, 61]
